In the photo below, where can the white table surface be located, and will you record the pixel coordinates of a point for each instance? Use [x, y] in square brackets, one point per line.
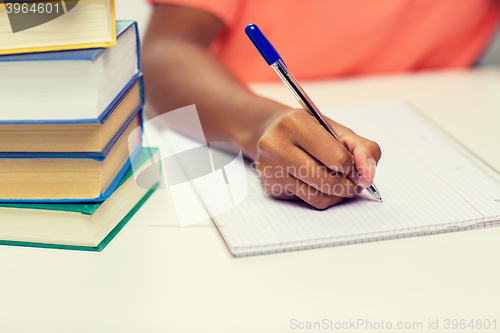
[157, 277]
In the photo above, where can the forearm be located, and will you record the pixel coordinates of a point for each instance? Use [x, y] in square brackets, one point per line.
[180, 73]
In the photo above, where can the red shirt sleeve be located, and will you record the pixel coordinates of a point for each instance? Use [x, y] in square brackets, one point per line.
[225, 10]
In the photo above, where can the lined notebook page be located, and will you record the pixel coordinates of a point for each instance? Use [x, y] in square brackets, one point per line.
[427, 181]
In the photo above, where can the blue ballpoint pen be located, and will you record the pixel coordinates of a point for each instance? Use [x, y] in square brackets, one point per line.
[273, 59]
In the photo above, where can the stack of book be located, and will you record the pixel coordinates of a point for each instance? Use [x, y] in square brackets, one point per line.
[67, 139]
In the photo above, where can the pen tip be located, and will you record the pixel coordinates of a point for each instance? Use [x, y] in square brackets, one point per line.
[375, 193]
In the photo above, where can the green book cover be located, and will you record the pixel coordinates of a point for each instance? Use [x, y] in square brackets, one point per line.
[87, 209]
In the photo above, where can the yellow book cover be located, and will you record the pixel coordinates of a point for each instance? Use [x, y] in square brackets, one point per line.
[32, 26]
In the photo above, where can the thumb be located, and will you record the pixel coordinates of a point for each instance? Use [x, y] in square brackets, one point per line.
[366, 154]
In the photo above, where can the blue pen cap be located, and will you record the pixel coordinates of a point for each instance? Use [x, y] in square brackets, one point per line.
[266, 49]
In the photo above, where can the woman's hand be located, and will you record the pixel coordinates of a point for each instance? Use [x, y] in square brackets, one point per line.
[297, 158]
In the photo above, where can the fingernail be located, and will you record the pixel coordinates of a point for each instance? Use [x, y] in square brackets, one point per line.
[363, 182]
[372, 164]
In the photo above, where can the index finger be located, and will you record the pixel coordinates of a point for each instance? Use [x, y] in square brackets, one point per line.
[319, 143]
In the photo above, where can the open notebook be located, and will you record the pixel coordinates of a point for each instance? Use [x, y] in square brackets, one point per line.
[429, 183]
